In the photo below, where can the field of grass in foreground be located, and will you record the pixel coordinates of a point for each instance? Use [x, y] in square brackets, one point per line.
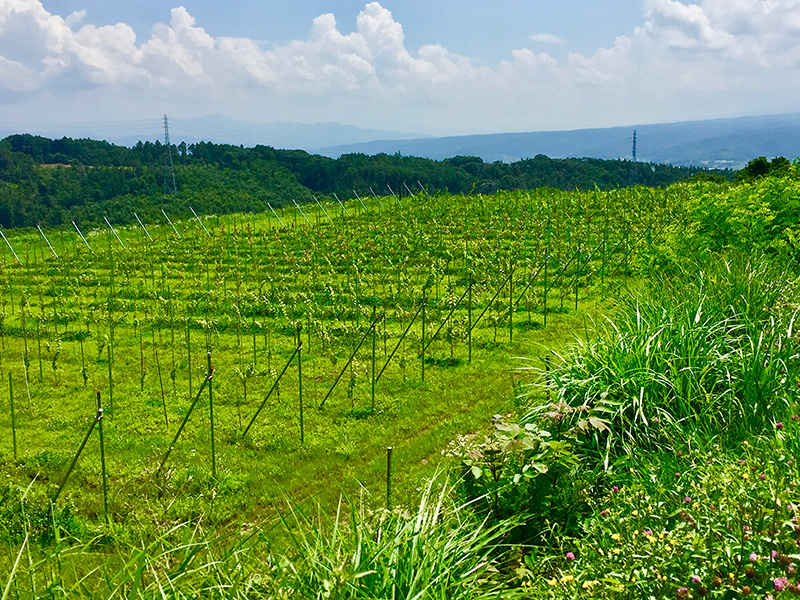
[609, 425]
[134, 318]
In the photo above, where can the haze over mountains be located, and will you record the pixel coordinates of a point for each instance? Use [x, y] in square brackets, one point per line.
[718, 143]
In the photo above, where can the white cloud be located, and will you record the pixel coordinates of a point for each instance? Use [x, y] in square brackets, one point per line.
[757, 32]
[369, 76]
[545, 38]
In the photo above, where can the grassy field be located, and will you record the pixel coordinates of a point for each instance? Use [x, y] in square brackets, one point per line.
[134, 319]
[138, 314]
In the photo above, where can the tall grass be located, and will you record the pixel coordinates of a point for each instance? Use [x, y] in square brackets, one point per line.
[708, 355]
[438, 551]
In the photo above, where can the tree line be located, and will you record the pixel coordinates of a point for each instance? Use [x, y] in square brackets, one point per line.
[51, 182]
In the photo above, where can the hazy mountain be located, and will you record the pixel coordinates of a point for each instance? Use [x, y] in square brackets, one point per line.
[218, 129]
[717, 143]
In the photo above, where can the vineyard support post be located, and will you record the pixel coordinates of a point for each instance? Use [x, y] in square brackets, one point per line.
[13, 414]
[424, 302]
[199, 221]
[9, 246]
[39, 346]
[544, 308]
[49, 245]
[297, 206]
[627, 250]
[374, 195]
[83, 238]
[110, 383]
[323, 209]
[140, 223]
[189, 354]
[182, 425]
[347, 364]
[447, 318]
[276, 215]
[209, 376]
[491, 302]
[400, 341]
[511, 304]
[114, 231]
[300, 383]
[102, 456]
[272, 389]
[346, 212]
[605, 242]
[97, 418]
[170, 223]
[364, 206]
[374, 341]
[424, 190]
[577, 276]
[469, 321]
[388, 478]
[141, 356]
[546, 260]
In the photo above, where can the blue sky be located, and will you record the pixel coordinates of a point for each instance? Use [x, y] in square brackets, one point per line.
[439, 67]
[485, 31]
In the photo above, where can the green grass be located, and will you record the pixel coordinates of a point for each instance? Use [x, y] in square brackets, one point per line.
[686, 373]
[243, 293]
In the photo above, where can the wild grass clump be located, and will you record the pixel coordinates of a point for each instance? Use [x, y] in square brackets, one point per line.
[439, 551]
[711, 355]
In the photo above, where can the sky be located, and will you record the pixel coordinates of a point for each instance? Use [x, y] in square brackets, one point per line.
[434, 67]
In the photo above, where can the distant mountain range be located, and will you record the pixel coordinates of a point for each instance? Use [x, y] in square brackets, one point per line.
[217, 129]
[718, 143]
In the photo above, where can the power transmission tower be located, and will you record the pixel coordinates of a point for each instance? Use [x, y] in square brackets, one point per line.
[169, 171]
[634, 145]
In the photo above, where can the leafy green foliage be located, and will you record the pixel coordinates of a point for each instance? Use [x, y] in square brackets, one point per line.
[714, 524]
[521, 470]
[710, 356]
[761, 214]
[52, 182]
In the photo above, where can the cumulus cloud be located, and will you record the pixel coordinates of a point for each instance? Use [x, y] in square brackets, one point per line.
[761, 32]
[681, 46]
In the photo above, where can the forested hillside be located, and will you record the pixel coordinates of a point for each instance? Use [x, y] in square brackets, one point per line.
[50, 182]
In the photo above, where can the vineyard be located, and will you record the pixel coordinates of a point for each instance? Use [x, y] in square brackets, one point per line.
[324, 326]
[326, 400]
